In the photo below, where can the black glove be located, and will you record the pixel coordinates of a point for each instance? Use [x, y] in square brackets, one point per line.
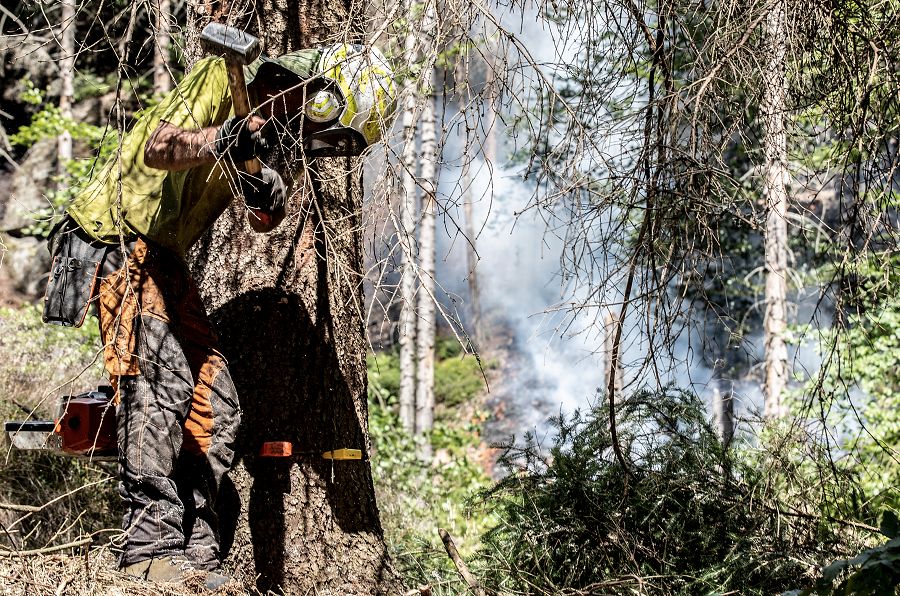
[265, 191]
[236, 141]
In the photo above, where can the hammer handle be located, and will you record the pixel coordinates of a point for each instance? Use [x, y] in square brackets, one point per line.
[241, 102]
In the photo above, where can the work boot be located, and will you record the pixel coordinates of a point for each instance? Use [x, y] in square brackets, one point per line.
[213, 581]
[162, 570]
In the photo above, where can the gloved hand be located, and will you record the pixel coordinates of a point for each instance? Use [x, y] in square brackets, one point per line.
[264, 191]
[235, 139]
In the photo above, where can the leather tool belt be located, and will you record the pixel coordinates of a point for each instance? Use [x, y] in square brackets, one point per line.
[76, 262]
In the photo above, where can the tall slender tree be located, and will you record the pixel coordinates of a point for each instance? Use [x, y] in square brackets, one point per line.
[288, 307]
[425, 332]
[162, 78]
[773, 112]
[407, 235]
[66, 79]
[462, 90]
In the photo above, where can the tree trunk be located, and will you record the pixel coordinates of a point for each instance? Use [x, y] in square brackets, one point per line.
[490, 112]
[426, 310]
[776, 241]
[462, 87]
[475, 323]
[407, 239]
[67, 81]
[288, 307]
[162, 78]
[610, 327]
[723, 411]
[426, 305]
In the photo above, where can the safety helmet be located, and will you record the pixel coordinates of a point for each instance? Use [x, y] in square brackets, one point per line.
[349, 94]
[364, 79]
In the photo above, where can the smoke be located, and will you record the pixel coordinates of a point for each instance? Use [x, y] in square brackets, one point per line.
[554, 353]
[555, 357]
[518, 273]
[556, 362]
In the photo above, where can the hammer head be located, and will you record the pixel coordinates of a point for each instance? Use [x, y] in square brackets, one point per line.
[231, 43]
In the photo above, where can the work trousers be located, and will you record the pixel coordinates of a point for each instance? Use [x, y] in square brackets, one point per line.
[178, 411]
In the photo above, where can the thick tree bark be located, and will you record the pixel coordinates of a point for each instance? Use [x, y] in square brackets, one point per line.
[288, 309]
[162, 79]
[407, 238]
[776, 240]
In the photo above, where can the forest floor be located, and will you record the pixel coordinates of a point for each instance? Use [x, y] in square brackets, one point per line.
[89, 573]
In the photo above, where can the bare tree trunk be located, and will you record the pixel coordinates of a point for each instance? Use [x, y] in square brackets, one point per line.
[162, 78]
[723, 411]
[426, 309]
[610, 324]
[462, 88]
[288, 307]
[776, 241]
[67, 81]
[475, 322]
[490, 99]
[407, 237]
[426, 297]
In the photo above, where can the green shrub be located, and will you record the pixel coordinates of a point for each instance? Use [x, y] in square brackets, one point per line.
[384, 371]
[48, 123]
[864, 352]
[875, 571]
[687, 517]
[446, 346]
[457, 380]
[415, 498]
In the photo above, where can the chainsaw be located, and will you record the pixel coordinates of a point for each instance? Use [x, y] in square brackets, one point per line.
[86, 426]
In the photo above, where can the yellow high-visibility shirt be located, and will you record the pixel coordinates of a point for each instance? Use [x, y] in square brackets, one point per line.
[173, 209]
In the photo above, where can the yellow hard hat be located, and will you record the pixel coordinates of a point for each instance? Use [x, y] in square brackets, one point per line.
[366, 81]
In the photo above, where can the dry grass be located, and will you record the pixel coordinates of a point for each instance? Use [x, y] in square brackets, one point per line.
[91, 572]
[49, 500]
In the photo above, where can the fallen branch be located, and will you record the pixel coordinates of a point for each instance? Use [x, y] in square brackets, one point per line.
[5, 552]
[21, 508]
[37, 508]
[461, 567]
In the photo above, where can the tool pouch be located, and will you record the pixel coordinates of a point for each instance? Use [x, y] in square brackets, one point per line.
[76, 264]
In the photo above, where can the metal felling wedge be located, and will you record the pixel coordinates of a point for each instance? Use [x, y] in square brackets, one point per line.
[343, 454]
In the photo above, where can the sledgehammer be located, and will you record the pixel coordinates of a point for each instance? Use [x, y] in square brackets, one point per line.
[239, 49]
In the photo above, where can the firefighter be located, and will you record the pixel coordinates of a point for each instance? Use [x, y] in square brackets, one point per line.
[174, 173]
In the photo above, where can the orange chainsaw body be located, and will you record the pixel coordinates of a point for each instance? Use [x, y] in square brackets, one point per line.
[87, 423]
